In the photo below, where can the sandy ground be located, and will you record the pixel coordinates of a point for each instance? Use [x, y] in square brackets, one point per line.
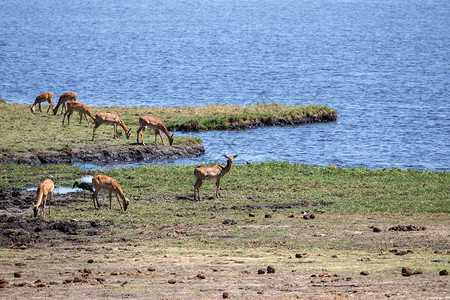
[43, 258]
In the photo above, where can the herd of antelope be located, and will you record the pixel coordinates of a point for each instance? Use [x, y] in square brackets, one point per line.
[69, 103]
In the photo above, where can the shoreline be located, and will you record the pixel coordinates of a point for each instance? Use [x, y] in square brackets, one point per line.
[129, 153]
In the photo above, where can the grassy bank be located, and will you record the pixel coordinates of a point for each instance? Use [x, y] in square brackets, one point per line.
[23, 130]
[257, 222]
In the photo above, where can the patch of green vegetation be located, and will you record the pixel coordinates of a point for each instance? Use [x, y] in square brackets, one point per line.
[24, 130]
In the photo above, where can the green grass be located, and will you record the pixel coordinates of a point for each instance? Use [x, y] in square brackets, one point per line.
[23, 131]
[337, 190]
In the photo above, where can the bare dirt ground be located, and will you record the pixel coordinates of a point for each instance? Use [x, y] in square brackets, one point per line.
[45, 258]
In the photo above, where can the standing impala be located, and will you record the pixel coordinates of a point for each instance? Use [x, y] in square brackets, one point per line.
[66, 97]
[113, 119]
[103, 182]
[157, 125]
[45, 97]
[79, 107]
[45, 189]
[211, 172]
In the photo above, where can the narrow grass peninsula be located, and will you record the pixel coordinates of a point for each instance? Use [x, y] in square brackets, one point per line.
[35, 138]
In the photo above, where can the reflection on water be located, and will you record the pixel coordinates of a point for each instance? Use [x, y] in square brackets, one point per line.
[62, 189]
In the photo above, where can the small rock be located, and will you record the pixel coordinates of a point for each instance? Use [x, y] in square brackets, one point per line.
[298, 255]
[306, 217]
[443, 273]
[251, 215]
[270, 269]
[311, 216]
[225, 295]
[90, 261]
[77, 279]
[87, 270]
[376, 229]
[291, 216]
[17, 275]
[261, 271]
[365, 273]
[268, 216]
[407, 271]
[172, 281]
[201, 276]
[151, 269]
[3, 283]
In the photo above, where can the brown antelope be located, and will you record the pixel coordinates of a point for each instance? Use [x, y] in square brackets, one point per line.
[157, 125]
[44, 190]
[66, 97]
[103, 182]
[113, 119]
[43, 98]
[79, 107]
[211, 172]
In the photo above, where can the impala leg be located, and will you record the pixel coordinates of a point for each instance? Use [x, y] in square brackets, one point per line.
[116, 135]
[218, 187]
[43, 208]
[93, 132]
[48, 107]
[156, 136]
[197, 186]
[87, 120]
[40, 107]
[120, 204]
[94, 198]
[81, 117]
[110, 197]
[160, 135]
[50, 197]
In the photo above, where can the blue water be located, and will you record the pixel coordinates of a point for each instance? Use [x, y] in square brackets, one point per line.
[384, 65]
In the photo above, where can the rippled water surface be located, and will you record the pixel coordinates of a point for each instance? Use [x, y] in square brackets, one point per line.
[384, 65]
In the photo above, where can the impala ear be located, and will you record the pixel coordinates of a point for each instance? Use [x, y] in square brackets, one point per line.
[235, 156]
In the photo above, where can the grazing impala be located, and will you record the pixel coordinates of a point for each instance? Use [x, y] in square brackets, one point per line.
[157, 125]
[113, 119]
[211, 172]
[45, 189]
[66, 97]
[103, 182]
[79, 107]
[45, 97]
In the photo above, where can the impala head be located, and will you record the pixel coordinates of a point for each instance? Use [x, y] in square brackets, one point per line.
[126, 202]
[128, 133]
[35, 210]
[32, 109]
[55, 110]
[230, 158]
[171, 139]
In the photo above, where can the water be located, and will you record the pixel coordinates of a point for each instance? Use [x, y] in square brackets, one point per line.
[382, 64]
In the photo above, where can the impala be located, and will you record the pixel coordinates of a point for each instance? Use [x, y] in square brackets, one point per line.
[44, 190]
[45, 97]
[157, 125]
[103, 182]
[66, 97]
[211, 172]
[113, 119]
[79, 107]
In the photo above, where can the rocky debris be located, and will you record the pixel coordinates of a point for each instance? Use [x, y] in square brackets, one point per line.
[408, 272]
[225, 295]
[443, 273]
[407, 228]
[229, 222]
[309, 216]
[261, 271]
[17, 274]
[270, 270]
[401, 252]
[172, 281]
[3, 283]
[126, 153]
[376, 229]
[364, 273]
